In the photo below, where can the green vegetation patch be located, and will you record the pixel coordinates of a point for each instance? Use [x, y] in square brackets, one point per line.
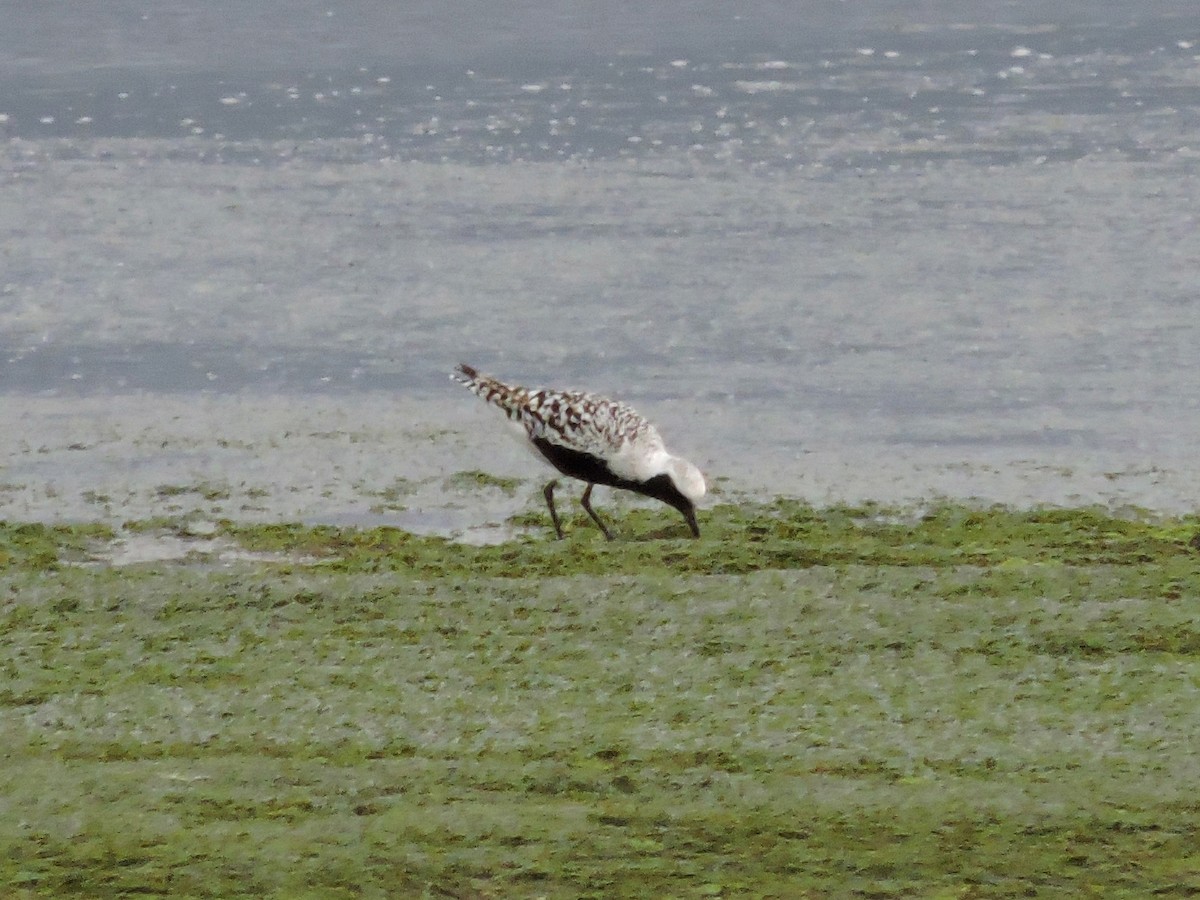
[477, 479]
[208, 492]
[736, 539]
[749, 538]
[37, 546]
[829, 703]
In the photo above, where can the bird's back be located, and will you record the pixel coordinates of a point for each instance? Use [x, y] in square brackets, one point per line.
[579, 421]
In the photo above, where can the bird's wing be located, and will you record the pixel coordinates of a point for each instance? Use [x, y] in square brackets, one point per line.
[586, 422]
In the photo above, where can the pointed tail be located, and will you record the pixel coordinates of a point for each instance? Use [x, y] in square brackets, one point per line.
[507, 397]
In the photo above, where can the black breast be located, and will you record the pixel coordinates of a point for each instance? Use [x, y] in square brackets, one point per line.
[578, 464]
[595, 470]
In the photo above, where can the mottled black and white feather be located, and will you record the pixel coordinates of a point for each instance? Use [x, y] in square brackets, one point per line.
[594, 439]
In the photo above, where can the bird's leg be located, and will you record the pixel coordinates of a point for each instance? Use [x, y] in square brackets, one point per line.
[548, 493]
[690, 515]
[586, 501]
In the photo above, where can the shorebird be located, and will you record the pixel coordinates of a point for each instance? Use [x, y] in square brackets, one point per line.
[594, 439]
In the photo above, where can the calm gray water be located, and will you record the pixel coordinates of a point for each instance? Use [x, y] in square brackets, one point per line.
[936, 230]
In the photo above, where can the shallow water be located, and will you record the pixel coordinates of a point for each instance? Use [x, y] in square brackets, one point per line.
[856, 257]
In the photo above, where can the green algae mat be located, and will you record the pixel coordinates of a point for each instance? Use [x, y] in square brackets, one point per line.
[947, 702]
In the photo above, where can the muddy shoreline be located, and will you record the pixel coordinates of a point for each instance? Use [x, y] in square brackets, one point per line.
[375, 459]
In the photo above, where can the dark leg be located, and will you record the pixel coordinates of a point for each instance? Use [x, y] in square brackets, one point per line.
[586, 500]
[548, 493]
[690, 515]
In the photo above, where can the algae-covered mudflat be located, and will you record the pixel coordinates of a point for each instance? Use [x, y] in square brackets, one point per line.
[948, 702]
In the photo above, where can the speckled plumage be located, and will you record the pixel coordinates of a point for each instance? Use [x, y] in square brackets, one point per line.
[594, 439]
[594, 425]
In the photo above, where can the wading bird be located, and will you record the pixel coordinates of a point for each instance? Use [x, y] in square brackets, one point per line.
[594, 439]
